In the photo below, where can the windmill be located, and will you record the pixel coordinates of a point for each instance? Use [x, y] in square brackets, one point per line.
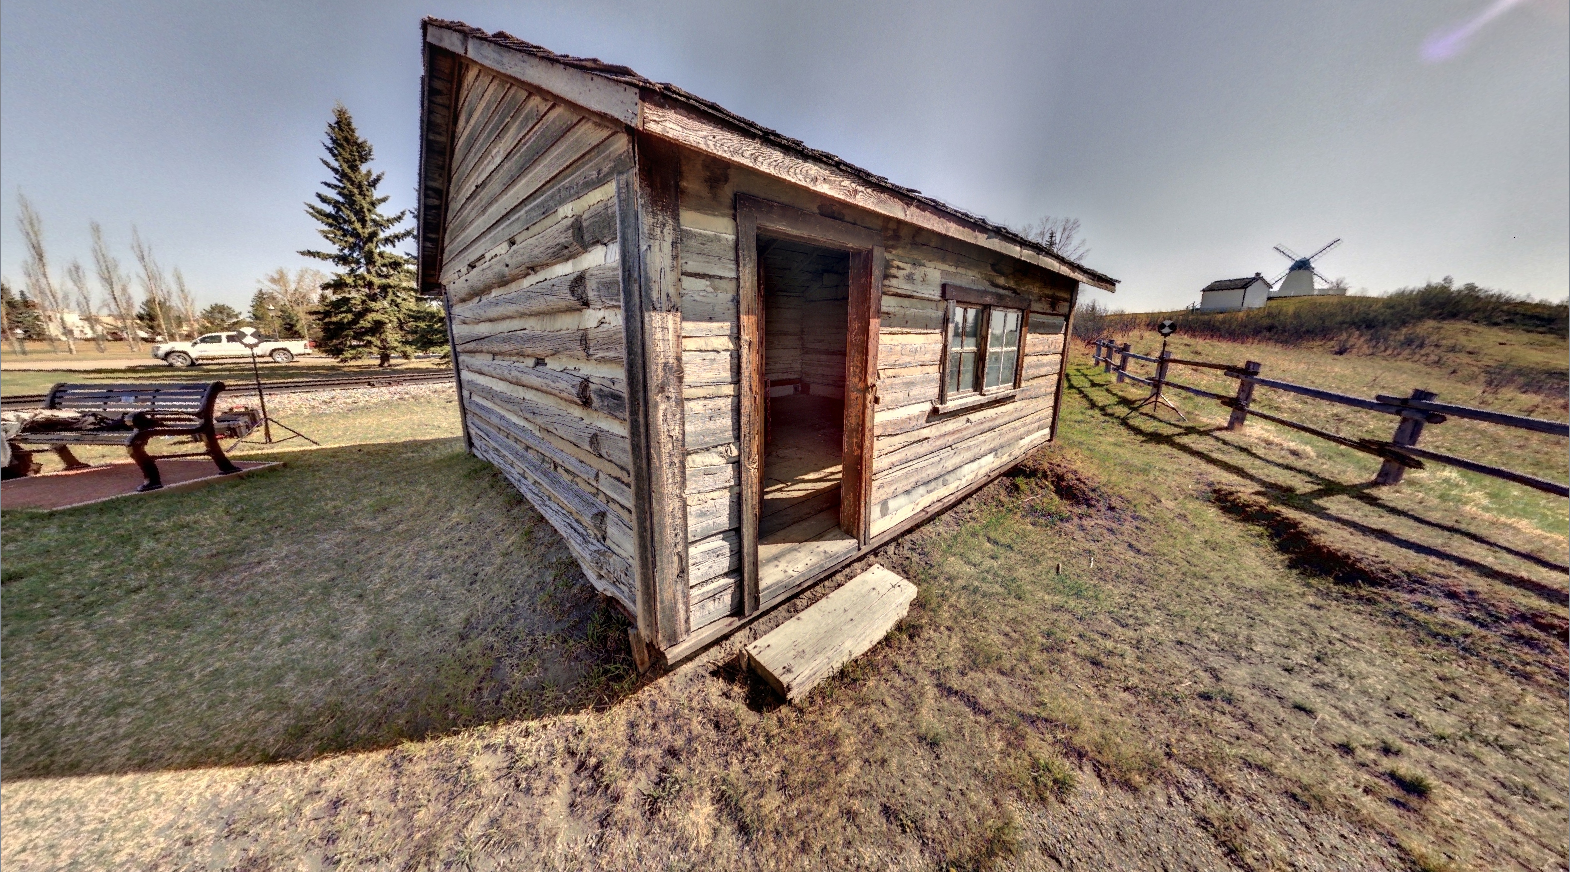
[1298, 279]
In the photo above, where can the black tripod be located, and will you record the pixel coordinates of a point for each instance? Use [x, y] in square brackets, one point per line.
[267, 420]
[1161, 380]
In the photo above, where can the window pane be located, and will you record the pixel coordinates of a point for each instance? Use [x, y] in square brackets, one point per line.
[999, 322]
[964, 340]
[994, 364]
[970, 337]
[1002, 348]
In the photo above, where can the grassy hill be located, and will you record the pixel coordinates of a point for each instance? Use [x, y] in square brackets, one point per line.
[1488, 337]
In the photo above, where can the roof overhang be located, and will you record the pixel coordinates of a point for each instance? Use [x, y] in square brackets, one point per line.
[620, 95]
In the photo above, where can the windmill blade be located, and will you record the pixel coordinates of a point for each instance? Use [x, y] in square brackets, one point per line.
[1285, 252]
[1277, 279]
[1321, 277]
[1332, 244]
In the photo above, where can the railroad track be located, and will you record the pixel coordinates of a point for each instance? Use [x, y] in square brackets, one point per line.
[285, 386]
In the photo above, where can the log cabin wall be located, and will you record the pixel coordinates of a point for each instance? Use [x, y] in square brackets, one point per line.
[920, 458]
[531, 269]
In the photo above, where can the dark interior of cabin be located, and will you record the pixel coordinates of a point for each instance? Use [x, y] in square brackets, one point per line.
[806, 293]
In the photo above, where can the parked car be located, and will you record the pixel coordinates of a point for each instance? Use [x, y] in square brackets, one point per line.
[220, 346]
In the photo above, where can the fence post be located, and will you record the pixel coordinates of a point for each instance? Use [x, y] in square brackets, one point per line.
[1245, 395]
[1096, 358]
[1123, 360]
[1407, 433]
[1106, 357]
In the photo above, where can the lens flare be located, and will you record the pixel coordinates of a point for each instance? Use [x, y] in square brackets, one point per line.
[1446, 44]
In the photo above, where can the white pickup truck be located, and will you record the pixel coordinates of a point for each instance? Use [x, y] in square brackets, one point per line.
[219, 346]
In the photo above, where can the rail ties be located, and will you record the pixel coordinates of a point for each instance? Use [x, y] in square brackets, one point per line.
[283, 386]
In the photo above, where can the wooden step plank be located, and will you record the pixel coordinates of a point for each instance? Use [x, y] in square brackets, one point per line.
[842, 626]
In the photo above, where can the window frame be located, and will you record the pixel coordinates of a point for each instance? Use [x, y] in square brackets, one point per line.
[955, 296]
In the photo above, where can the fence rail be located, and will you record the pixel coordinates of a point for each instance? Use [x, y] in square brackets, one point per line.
[1399, 454]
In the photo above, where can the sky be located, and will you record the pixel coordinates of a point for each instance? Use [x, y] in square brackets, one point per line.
[1432, 136]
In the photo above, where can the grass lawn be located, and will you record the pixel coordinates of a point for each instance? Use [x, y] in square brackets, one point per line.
[41, 352]
[1149, 646]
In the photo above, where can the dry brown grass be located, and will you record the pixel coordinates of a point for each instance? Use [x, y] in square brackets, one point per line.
[1186, 693]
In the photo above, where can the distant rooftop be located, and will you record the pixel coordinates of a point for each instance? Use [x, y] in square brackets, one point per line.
[1234, 284]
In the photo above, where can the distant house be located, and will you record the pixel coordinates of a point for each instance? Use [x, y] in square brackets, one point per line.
[1235, 295]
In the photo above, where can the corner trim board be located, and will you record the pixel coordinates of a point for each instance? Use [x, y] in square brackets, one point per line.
[598, 94]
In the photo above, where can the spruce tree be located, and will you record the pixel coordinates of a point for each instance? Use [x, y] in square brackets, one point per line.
[372, 308]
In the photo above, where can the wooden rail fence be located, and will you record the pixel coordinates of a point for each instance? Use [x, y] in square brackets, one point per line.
[1399, 454]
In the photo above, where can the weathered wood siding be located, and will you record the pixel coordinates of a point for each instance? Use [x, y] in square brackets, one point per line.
[919, 458]
[532, 274]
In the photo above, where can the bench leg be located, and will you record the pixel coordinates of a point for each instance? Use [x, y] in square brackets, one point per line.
[216, 451]
[68, 458]
[21, 464]
[148, 465]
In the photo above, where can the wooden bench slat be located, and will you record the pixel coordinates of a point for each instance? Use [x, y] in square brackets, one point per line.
[77, 437]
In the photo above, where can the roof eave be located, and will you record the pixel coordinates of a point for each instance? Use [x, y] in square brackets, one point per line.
[671, 113]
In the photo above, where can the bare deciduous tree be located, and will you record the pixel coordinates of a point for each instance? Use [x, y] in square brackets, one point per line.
[11, 332]
[1090, 321]
[155, 285]
[1060, 235]
[84, 302]
[297, 292]
[36, 271]
[187, 304]
[116, 285]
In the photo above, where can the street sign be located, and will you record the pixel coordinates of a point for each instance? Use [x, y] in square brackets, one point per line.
[249, 337]
[1167, 327]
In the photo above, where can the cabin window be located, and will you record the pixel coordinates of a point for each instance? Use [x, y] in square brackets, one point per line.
[1002, 348]
[964, 343]
[983, 336]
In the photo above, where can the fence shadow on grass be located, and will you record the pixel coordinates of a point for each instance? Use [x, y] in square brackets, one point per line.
[1182, 436]
[357, 598]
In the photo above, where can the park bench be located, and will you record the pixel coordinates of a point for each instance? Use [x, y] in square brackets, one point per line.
[129, 415]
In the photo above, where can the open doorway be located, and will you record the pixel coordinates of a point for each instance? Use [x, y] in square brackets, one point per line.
[805, 295]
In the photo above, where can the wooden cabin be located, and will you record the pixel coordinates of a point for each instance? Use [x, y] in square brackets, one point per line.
[721, 363]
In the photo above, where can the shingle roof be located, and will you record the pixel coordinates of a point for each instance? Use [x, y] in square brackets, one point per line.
[627, 75]
[1234, 284]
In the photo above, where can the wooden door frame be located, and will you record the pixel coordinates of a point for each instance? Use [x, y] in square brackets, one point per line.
[865, 246]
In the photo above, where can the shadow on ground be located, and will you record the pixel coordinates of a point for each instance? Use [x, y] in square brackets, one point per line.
[1354, 534]
[357, 598]
[1159, 431]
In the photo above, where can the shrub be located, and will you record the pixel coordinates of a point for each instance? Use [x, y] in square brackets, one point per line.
[1378, 321]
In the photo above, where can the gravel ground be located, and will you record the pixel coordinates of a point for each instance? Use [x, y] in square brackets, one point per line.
[316, 402]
